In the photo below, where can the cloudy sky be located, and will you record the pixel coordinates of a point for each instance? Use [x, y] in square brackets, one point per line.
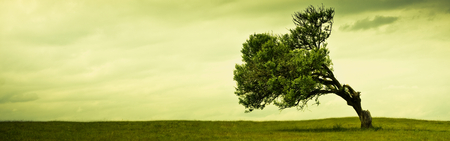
[165, 59]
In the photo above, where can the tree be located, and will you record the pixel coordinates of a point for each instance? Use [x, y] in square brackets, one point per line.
[291, 69]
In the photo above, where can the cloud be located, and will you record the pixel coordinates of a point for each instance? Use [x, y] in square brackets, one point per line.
[347, 7]
[367, 23]
[18, 98]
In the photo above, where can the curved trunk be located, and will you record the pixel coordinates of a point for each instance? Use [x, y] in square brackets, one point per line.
[353, 99]
[348, 94]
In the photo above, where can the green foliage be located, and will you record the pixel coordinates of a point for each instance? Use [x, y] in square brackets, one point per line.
[313, 26]
[323, 129]
[284, 70]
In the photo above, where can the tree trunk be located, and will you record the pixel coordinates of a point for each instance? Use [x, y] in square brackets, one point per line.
[366, 119]
[364, 115]
[353, 99]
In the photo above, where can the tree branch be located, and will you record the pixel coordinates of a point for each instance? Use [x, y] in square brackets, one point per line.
[331, 76]
[325, 82]
[352, 93]
[316, 92]
[350, 96]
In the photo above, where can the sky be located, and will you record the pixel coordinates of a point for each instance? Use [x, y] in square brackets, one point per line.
[83, 60]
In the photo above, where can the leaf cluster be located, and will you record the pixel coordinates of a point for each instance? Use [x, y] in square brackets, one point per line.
[313, 27]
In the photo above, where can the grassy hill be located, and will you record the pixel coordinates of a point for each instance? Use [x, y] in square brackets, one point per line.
[323, 129]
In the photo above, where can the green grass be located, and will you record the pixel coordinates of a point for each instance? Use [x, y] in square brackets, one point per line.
[323, 129]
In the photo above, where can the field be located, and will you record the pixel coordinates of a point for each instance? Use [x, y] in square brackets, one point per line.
[323, 129]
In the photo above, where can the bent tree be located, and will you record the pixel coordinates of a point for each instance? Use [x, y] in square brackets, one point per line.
[291, 69]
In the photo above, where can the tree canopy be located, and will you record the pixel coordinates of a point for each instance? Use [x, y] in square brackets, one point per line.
[284, 69]
[291, 69]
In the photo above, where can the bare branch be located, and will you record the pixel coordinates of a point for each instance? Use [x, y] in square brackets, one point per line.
[314, 93]
[351, 92]
[325, 82]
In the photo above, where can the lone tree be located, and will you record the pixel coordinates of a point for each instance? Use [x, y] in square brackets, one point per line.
[291, 69]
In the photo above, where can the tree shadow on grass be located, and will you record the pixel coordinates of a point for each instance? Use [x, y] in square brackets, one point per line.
[335, 128]
[319, 130]
[338, 128]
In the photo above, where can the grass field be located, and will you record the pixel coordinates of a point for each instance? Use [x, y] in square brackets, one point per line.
[323, 129]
